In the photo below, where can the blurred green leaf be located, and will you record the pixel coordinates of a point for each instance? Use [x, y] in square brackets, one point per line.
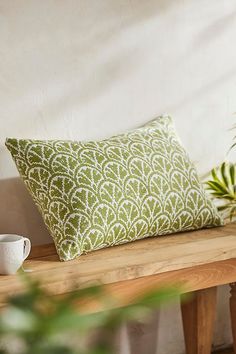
[44, 323]
[13, 319]
[155, 297]
[51, 349]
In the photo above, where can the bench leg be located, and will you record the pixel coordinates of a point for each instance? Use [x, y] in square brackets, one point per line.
[233, 312]
[198, 315]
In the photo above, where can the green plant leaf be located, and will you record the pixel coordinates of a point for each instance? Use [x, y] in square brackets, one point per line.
[216, 186]
[223, 174]
[214, 175]
[232, 146]
[222, 186]
[223, 181]
[232, 174]
[224, 207]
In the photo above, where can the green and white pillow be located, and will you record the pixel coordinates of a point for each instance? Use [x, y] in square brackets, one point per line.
[103, 193]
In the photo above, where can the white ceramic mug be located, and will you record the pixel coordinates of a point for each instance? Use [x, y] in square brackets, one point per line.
[14, 249]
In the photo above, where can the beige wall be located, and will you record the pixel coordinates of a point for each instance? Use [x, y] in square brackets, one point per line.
[87, 69]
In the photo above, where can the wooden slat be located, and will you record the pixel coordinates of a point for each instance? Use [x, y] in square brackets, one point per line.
[190, 279]
[109, 266]
[125, 292]
[187, 280]
[149, 260]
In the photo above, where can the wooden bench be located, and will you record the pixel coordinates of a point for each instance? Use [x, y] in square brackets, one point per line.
[199, 260]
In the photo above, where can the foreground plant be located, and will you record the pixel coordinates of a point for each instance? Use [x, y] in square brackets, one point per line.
[222, 186]
[35, 322]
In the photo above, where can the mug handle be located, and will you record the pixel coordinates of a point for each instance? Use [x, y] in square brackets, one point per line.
[27, 247]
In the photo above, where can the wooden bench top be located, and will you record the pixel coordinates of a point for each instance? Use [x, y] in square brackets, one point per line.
[198, 259]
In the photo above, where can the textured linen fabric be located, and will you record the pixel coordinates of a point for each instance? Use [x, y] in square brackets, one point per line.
[102, 193]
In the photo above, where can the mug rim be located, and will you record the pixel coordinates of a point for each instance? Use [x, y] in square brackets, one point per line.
[19, 238]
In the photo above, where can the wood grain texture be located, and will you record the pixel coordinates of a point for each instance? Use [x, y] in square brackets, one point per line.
[190, 279]
[233, 312]
[198, 317]
[197, 260]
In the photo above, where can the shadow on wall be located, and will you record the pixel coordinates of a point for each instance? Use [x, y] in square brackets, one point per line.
[203, 91]
[79, 82]
[18, 214]
[215, 30]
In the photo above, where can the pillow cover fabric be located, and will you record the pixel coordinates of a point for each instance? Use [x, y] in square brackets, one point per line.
[102, 193]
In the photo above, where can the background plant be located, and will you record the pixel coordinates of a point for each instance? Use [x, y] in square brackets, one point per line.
[222, 186]
[35, 322]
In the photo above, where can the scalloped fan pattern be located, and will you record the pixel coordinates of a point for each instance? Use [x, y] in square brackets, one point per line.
[103, 193]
